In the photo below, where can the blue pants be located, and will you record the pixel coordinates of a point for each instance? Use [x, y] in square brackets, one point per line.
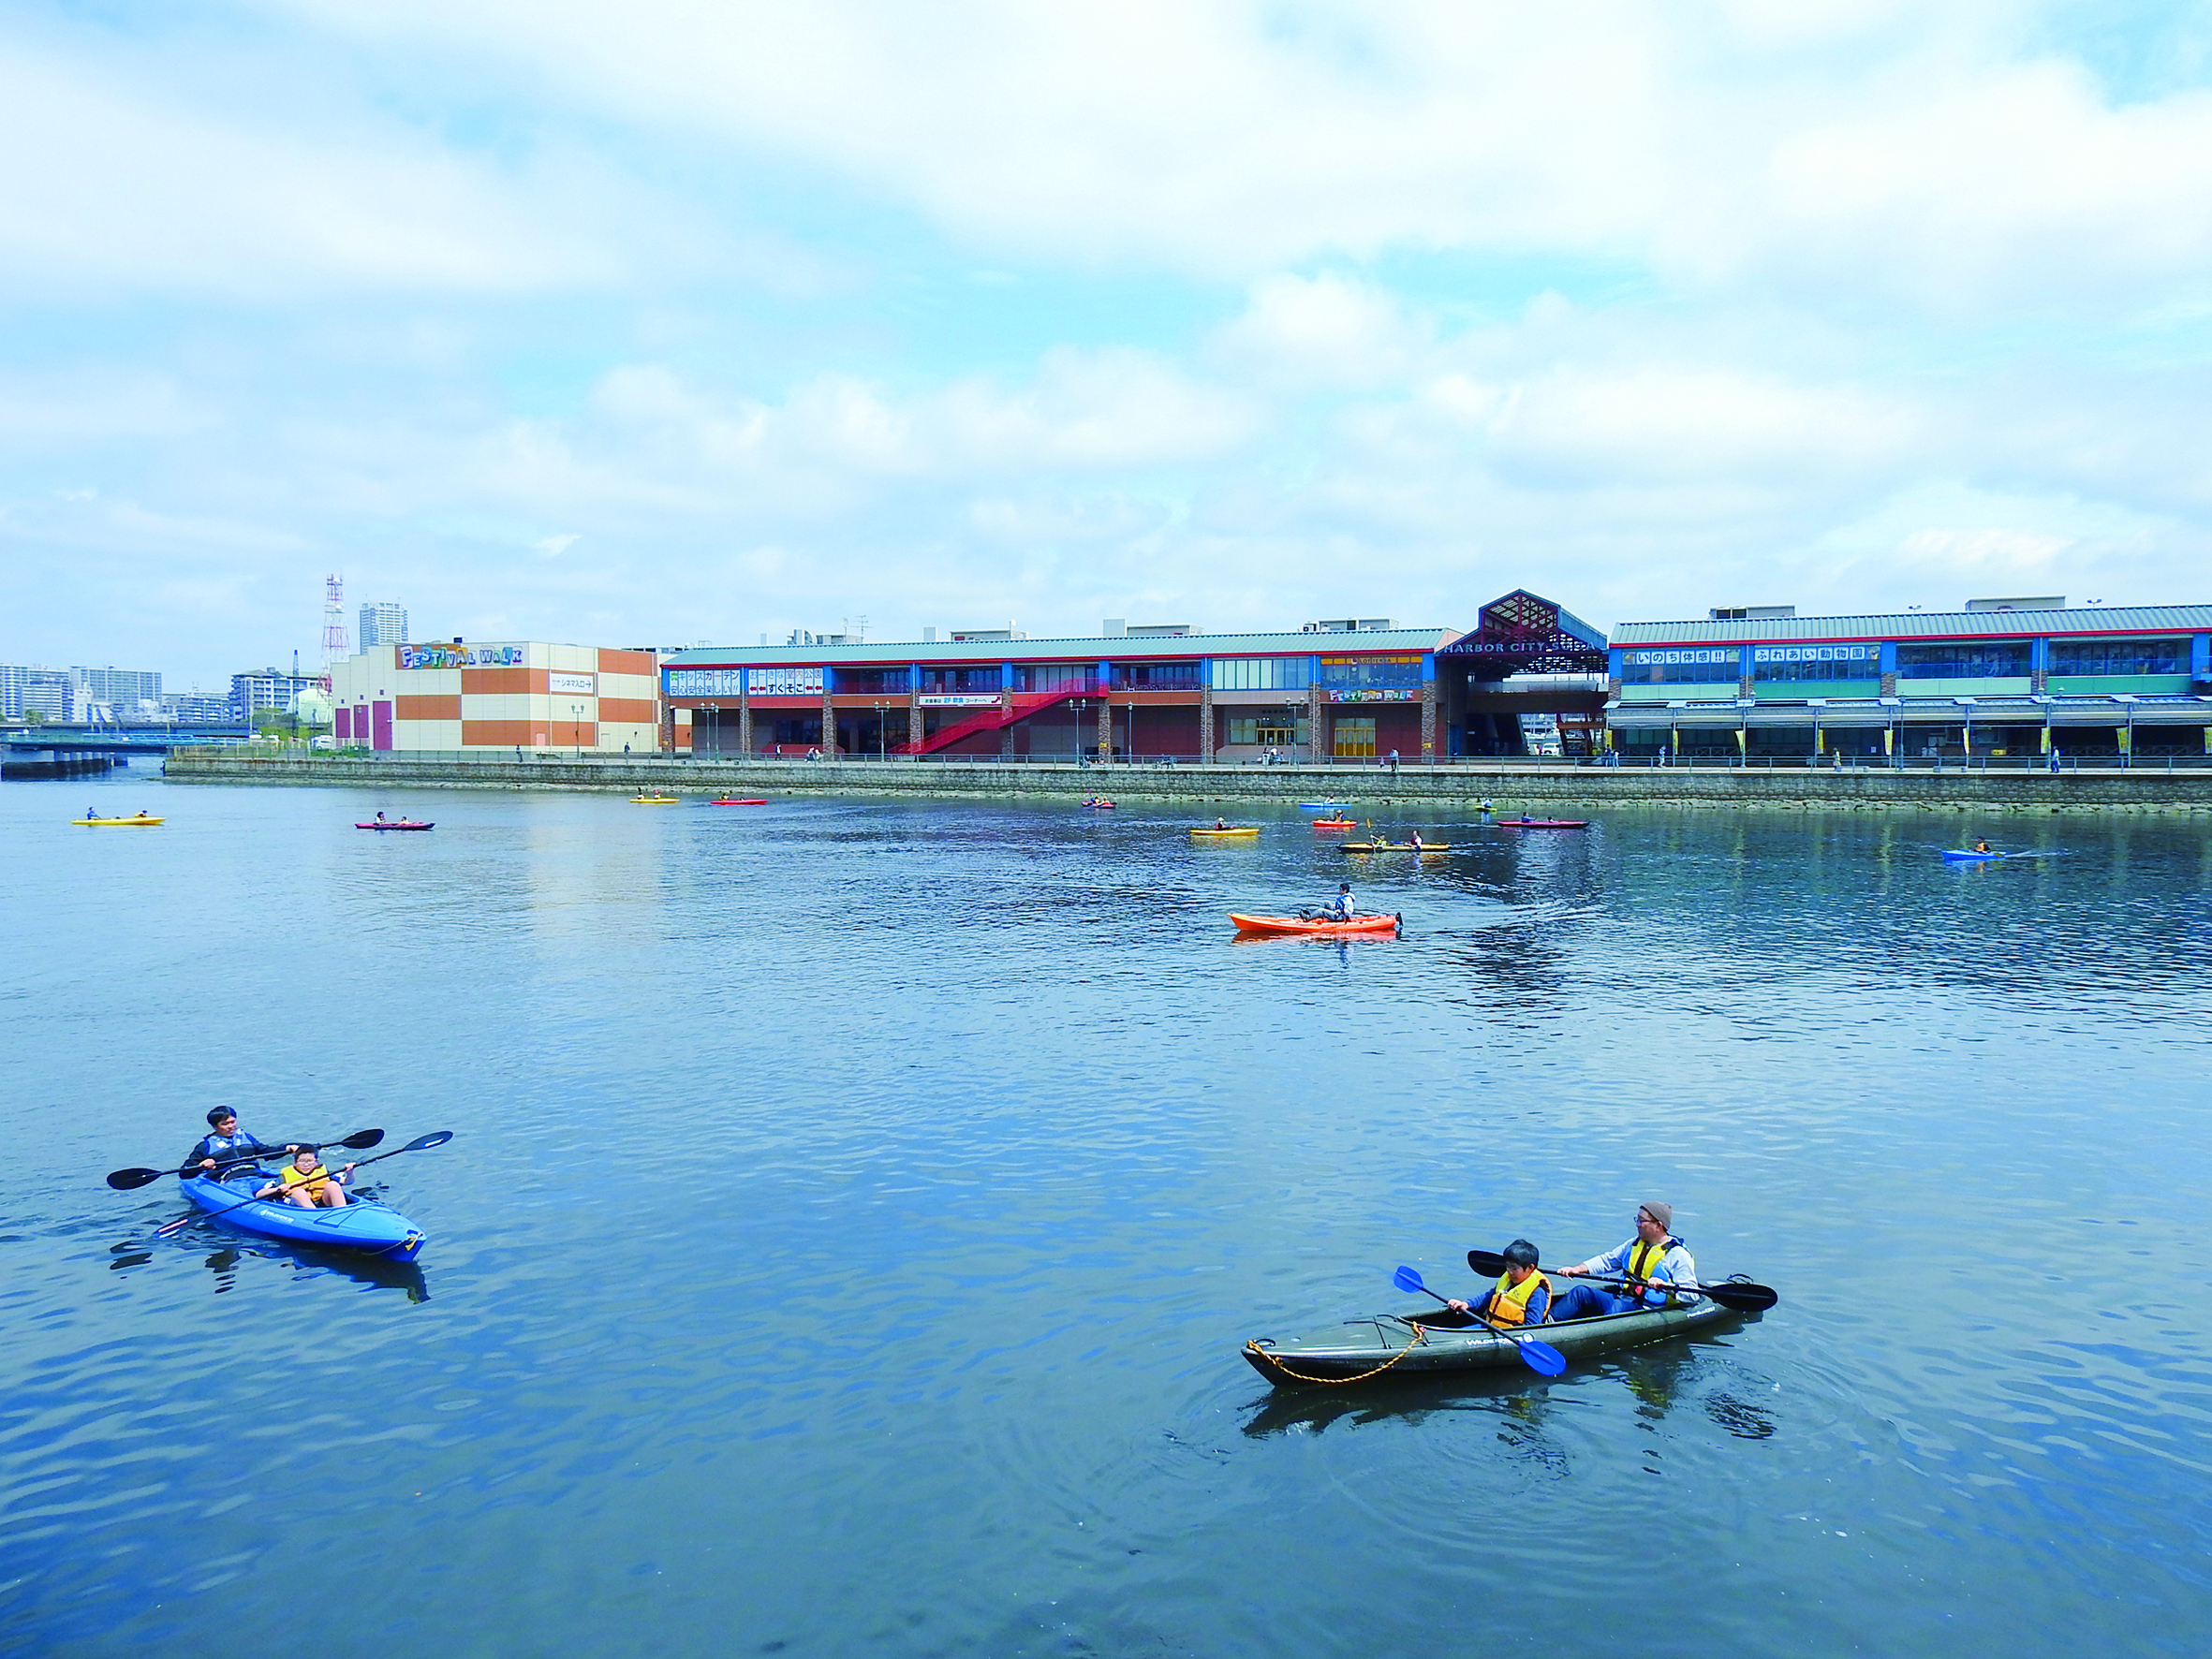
[1582, 1302]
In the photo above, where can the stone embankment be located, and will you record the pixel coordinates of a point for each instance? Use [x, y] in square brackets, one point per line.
[2149, 787]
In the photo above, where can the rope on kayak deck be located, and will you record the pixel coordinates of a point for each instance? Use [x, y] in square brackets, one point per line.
[1420, 1336]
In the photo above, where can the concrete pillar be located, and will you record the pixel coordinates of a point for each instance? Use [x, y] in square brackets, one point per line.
[1317, 725]
[1006, 732]
[1105, 728]
[1428, 722]
[1205, 726]
[829, 744]
[745, 717]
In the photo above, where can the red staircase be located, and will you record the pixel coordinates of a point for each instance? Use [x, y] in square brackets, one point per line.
[1025, 703]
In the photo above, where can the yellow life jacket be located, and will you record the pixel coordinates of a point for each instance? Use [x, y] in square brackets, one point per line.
[312, 1181]
[1644, 1260]
[1508, 1302]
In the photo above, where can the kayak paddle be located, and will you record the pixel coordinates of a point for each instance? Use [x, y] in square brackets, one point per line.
[1740, 1294]
[124, 1180]
[422, 1143]
[1541, 1357]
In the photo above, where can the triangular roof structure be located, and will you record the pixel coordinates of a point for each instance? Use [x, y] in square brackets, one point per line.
[1526, 633]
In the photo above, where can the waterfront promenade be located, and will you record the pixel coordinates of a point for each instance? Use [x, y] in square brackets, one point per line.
[2151, 787]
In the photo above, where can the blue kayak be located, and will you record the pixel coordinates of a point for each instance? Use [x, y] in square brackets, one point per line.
[362, 1225]
[1970, 857]
[1323, 806]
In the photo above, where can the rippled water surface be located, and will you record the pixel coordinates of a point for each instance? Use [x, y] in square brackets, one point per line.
[855, 1210]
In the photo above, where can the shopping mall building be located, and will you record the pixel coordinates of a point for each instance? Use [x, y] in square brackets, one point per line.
[455, 696]
[2014, 678]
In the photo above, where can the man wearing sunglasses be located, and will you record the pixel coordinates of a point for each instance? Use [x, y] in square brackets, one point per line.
[1654, 1266]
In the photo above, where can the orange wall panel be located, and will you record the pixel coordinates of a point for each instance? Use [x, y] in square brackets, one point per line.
[628, 662]
[426, 708]
[474, 681]
[502, 734]
[633, 711]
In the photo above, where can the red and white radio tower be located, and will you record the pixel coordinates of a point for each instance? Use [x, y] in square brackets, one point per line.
[333, 627]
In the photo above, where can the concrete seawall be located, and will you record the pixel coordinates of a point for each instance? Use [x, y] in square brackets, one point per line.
[2146, 789]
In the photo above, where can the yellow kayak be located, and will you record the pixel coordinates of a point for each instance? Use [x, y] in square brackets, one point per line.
[1226, 834]
[657, 800]
[109, 823]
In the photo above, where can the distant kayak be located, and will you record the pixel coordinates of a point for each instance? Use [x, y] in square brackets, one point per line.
[657, 800]
[737, 803]
[1336, 824]
[395, 824]
[140, 819]
[1224, 834]
[1543, 823]
[1970, 857]
[1425, 848]
[1291, 924]
[1324, 806]
[1098, 806]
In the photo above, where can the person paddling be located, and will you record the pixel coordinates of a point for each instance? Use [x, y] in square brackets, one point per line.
[1981, 847]
[305, 1183]
[1340, 907]
[1656, 1264]
[226, 1145]
[1522, 1295]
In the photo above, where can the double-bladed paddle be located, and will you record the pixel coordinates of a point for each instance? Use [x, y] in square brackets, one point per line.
[1739, 1294]
[422, 1143]
[123, 1180]
[1539, 1357]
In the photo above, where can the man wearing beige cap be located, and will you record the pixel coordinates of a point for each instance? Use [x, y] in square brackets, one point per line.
[1654, 1265]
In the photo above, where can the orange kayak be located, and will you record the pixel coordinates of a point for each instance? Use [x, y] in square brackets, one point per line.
[1291, 924]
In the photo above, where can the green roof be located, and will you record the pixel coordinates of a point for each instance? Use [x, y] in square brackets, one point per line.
[1925, 624]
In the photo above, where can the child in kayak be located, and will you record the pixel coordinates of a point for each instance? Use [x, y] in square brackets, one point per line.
[1340, 909]
[305, 1183]
[1513, 1300]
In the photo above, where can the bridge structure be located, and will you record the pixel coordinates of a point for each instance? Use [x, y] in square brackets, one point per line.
[86, 751]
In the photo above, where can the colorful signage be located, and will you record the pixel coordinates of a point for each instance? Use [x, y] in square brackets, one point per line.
[1674, 659]
[784, 682]
[1376, 694]
[1816, 654]
[706, 682]
[459, 656]
[957, 699]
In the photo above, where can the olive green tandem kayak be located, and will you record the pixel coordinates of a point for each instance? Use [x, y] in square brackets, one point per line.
[1429, 1340]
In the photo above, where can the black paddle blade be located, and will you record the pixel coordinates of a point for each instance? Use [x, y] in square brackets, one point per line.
[359, 1141]
[1750, 1299]
[1487, 1263]
[123, 1180]
[424, 1143]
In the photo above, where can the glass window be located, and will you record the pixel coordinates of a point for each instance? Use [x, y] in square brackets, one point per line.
[1686, 664]
[1816, 662]
[1964, 659]
[1055, 676]
[1355, 736]
[1279, 727]
[1395, 669]
[980, 677]
[862, 682]
[2119, 657]
[1260, 673]
[1156, 676]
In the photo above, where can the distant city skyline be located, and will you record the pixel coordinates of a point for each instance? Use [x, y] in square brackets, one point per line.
[676, 324]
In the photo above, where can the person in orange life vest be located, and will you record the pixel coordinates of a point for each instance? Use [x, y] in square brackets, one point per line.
[305, 1183]
[1656, 1264]
[1522, 1295]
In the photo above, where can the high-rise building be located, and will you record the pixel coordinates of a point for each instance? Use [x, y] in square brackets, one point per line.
[122, 689]
[26, 690]
[383, 624]
[196, 708]
[266, 688]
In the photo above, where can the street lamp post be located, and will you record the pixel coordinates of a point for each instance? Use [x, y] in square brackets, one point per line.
[714, 720]
[577, 709]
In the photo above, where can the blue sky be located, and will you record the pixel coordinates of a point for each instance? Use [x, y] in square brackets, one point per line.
[687, 322]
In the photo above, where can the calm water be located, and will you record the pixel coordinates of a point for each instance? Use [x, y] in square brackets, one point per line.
[855, 1210]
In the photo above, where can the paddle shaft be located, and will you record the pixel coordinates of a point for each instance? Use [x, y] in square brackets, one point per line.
[422, 1144]
[123, 1180]
[1537, 1355]
[1750, 1299]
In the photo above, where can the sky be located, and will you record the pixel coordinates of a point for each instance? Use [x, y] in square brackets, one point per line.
[687, 322]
